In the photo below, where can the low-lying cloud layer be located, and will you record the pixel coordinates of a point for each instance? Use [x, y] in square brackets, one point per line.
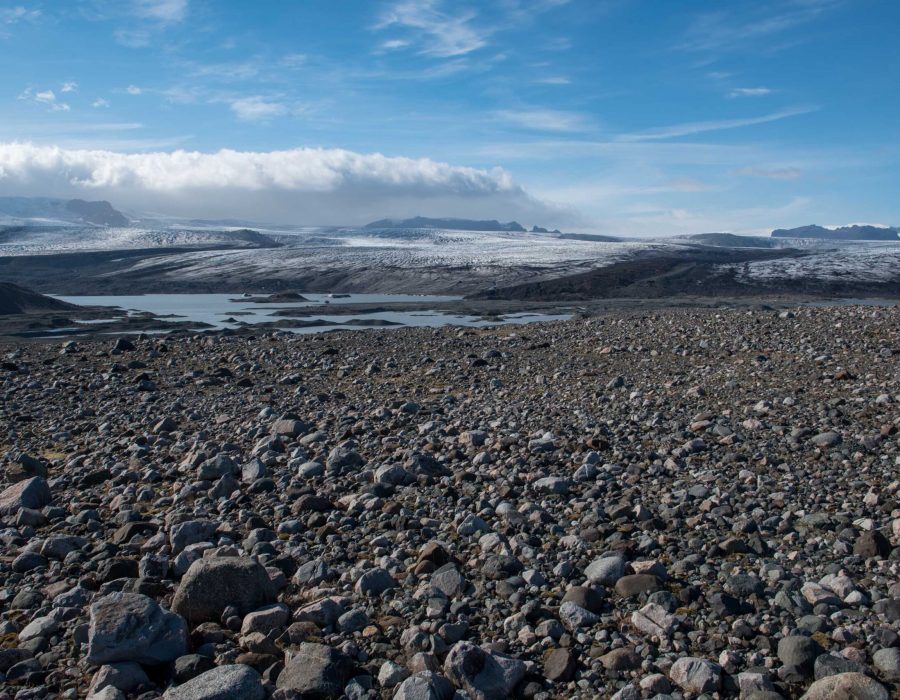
[304, 185]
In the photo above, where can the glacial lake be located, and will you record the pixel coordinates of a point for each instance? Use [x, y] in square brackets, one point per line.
[232, 311]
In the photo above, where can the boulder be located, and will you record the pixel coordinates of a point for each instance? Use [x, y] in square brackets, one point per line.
[316, 671]
[133, 627]
[846, 686]
[696, 675]
[484, 675]
[210, 585]
[32, 493]
[229, 682]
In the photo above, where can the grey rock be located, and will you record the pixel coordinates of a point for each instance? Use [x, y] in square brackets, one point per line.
[654, 621]
[191, 532]
[833, 664]
[574, 616]
[887, 661]
[696, 675]
[449, 581]
[212, 584]
[253, 470]
[60, 546]
[126, 676]
[216, 467]
[635, 584]
[826, 439]
[38, 627]
[606, 570]
[32, 493]
[798, 651]
[560, 664]
[27, 561]
[267, 619]
[229, 682]
[424, 685]
[344, 459]
[133, 627]
[482, 674]
[316, 671]
[374, 582]
[846, 686]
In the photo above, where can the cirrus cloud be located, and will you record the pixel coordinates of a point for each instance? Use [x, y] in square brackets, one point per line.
[303, 185]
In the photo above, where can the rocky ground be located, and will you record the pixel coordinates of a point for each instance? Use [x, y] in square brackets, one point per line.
[673, 503]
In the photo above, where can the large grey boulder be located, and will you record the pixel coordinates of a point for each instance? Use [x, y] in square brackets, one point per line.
[887, 661]
[210, 585]
[126, 676]
[316, 671]
[847, 686]
[133, 627]
[374, 582]
[424, 686]
[216, 467]
[797, 650]
[696, 675]
[32, 493]
[606, 570]
[482, 674]
[231, 682]
[344, 459]
[191, 532]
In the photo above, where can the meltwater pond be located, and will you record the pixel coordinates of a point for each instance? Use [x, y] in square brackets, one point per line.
[233, 311]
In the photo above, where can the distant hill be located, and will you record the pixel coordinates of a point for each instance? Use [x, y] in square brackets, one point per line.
[594, 237]
[100, 213]
[730, 240]
[18, 300]
[844, 233]
[65, 210]
[451, 224]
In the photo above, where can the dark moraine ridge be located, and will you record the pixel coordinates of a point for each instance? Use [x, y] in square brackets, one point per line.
[18, 300]
[697, 271]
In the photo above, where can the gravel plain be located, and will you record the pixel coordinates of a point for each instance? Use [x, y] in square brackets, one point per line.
[673, 503]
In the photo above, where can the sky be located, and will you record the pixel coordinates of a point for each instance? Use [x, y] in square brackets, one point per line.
[631, 117]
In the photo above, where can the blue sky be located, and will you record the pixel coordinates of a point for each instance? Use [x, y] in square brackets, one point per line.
[619, 116]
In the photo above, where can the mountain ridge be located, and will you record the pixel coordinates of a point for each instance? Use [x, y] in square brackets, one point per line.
[451, 224]
[97, 213]
[843, 233]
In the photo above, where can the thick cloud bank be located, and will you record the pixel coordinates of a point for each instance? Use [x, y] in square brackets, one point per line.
[304, 185]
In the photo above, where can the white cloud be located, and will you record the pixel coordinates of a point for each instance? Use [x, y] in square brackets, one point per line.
[17, 13]
[554, 80]
[46, 98]
[257, 108]
[437, 33]
[394, 44]
[749, 92]
[161, 10]
[690, 128]
[69, 86]
[311, 185]
[293, 60]
[771, 173]
[133, 90]
[750, 25]
[243, 70]
[132, 38]
[100, 102]
[543, 119]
